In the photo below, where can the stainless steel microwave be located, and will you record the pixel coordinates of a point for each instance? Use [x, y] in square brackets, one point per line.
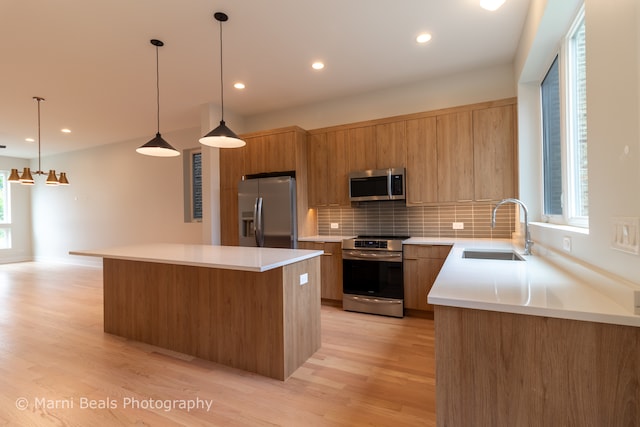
[377, 184]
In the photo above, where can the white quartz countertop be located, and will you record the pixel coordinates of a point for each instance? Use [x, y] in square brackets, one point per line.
[546, 285]
[224, 257]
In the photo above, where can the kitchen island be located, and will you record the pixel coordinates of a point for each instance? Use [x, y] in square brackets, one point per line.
[544, 341]
[255, 309]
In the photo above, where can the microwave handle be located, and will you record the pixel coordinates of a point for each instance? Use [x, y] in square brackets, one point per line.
[389, 189]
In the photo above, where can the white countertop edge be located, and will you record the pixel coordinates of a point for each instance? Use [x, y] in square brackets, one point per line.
[301, 255]
[586, 316]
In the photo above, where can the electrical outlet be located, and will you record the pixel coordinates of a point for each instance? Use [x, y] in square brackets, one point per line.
[304, 279]
[335, 225]
[458, 225]
[625, 234]
[566, 243]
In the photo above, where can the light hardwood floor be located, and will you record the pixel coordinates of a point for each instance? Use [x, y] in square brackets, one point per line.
[56, 360]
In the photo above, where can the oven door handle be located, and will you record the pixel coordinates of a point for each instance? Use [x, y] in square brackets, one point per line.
[373, 300]
[371, 256]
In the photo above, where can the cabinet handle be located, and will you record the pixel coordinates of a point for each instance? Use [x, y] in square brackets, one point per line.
[327, 254]
[410, 259]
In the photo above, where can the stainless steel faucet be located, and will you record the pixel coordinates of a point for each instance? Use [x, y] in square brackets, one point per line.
[527, 237]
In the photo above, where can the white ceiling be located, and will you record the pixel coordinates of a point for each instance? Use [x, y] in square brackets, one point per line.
[93, 62]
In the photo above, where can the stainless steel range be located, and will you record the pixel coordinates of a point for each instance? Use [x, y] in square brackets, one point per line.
[372, 275]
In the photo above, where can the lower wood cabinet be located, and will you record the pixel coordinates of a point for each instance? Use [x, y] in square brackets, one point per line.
[422, 263]
[330, 267]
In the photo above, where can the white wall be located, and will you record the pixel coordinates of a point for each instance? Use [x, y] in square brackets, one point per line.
[116, 197]
[449, 91]
[20, 215]
[613, 113]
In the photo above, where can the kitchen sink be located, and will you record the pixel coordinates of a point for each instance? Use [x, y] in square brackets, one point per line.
[492, 255]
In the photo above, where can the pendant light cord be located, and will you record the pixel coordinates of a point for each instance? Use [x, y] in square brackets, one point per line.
[157, 89]
[221, 80]
[39, 162]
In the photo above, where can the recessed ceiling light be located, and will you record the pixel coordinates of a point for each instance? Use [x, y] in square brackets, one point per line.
[317, 65]
[239, 85]
[423, 38]
[30, 140]
[65, 130]
[491, 4]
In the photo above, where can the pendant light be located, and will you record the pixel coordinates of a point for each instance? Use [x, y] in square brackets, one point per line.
[26, 177]
[222, 136]
[158, 147]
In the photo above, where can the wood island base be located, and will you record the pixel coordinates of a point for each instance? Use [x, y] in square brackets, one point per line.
[262, 322]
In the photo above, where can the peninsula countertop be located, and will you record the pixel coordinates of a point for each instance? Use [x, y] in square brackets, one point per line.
[545, 284]
[210, 256]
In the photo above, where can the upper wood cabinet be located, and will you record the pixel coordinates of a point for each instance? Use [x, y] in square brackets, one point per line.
[233, 160]
[494, 153]
[455, 157]
[422, 161]
[361, 143]
[270, 153]
[391, 145]
[328, 166]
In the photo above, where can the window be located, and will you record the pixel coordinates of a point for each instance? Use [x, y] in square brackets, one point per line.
[193, 185]
[564, 132]
[5, 211]
[196, 185]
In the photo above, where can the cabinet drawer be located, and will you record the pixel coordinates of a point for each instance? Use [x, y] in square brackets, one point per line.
[426, 251]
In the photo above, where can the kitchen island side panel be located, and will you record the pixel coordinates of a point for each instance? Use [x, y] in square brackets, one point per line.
[505, 369]
[232, 317]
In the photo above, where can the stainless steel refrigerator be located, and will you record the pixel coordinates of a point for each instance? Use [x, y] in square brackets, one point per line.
[267, 212]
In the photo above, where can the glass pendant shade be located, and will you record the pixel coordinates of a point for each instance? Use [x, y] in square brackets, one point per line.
[158, 147]
[222, 137]
[14, 177]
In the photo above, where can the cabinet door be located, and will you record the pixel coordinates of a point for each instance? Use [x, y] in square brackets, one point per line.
[229, 222]
[455, 157]
[337, 168]
[390, 145]
[317, 152]
[255, 155]
[422, 161]
[494, 136]
[362, 148]
[279, 152]
[231, 167]
[330, 266]
[421, 267]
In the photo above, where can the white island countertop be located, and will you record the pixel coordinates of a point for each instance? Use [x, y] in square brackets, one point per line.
[223, 257]
[548, 285]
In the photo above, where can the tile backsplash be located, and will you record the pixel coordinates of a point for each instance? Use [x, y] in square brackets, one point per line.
[393, 218]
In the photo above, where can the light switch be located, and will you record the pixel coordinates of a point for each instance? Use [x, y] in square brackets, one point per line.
[625, 234]
[458, 226]
[335, 225]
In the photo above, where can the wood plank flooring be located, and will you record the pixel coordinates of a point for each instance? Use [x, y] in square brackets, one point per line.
[56, 362]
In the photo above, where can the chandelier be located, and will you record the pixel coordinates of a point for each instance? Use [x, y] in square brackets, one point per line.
[26, 178]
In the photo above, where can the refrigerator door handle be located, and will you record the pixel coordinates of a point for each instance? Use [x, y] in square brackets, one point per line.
[258, 221]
